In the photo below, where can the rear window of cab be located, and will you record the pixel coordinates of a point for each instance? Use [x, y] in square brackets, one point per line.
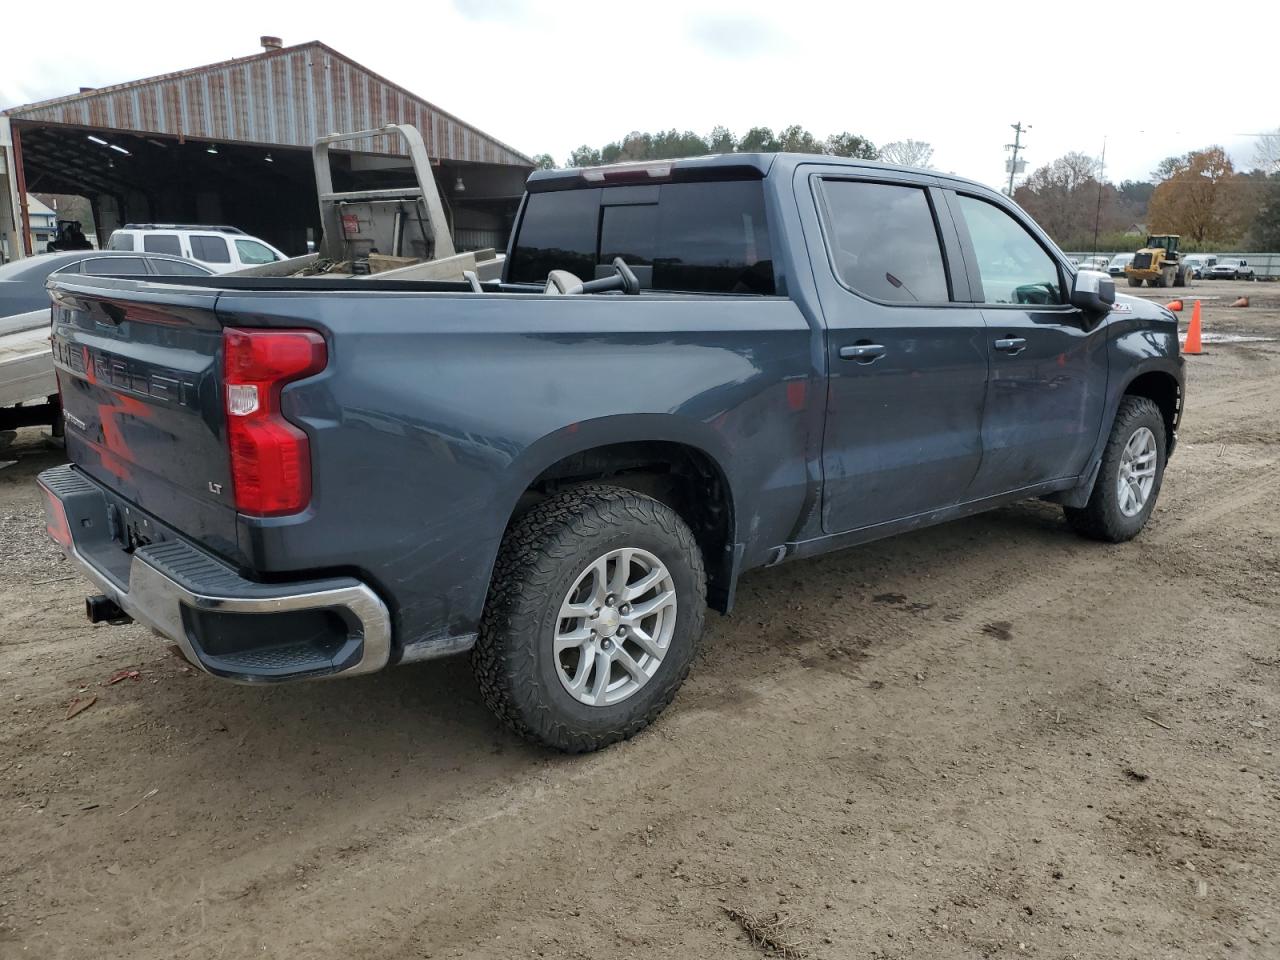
[684, 237]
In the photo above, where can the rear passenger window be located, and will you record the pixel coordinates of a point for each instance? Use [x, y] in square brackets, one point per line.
[161, 243]
[884, 241]
[115, 267]
[179, 268]
[713, 238]
[210, 249]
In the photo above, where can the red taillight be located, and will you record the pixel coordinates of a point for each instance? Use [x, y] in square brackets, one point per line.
[270, 457]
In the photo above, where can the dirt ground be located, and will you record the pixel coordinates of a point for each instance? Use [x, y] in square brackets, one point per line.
[990, 738]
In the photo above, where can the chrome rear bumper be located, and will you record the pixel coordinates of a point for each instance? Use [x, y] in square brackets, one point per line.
[193, 599]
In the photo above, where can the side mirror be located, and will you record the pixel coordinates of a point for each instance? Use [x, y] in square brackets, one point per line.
[1093, 292]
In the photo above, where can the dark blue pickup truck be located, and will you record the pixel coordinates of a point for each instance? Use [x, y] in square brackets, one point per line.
[690, 369]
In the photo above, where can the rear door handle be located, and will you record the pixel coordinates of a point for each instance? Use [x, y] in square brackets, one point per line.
[862, 352]
[1011, 344]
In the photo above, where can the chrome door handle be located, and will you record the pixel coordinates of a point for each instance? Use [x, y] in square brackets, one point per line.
[1011, 344]
[862, 352]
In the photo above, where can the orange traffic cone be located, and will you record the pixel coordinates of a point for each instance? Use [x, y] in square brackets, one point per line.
[1192, 346]
[1175, 306]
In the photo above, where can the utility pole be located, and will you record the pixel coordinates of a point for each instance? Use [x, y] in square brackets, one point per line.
[1018, 128]
[1097, 216]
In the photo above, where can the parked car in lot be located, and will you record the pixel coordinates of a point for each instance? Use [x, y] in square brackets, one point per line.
[690, 369]
[26, 361]
[1093, 263]
[1200, 264]
[22, 282]
[1230, 268]
[221, 249]
[1116, 265]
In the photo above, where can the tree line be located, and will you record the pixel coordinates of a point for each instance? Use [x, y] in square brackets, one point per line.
[673, 144]
[1199, 195]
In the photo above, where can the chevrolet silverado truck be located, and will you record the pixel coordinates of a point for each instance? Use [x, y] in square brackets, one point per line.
[688, 369]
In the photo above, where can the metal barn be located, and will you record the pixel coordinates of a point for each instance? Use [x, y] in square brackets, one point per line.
[230, 143]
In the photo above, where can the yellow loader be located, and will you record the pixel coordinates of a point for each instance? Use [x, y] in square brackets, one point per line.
[1159, 264]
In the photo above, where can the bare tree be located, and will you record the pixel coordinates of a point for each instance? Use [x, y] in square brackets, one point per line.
[907, 153]
[1266, 156]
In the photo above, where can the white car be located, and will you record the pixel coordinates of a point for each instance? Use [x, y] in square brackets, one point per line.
[221, 249]
[1201, 264]
[1093, 263]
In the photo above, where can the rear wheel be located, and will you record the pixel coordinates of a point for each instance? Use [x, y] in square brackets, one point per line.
[594, 612]
[1129, 479]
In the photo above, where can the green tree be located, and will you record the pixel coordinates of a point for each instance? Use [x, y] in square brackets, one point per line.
[673, 144]
[851, 145]
[1264, 231]
[584, 156]
[796, 139]
[758, 140]
[544, 161]
[721, 140]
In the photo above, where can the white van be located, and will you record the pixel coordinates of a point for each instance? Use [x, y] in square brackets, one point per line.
[221, 249]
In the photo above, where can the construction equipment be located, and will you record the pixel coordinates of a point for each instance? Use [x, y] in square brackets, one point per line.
[1159, 263]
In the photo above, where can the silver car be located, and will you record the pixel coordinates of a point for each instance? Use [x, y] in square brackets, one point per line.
[1118, 263]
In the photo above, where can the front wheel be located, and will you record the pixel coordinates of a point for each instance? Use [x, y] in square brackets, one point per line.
[1128, 481]
[594, 612]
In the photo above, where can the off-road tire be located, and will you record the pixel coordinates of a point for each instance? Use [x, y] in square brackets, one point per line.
[542, 554]
[1100, 518]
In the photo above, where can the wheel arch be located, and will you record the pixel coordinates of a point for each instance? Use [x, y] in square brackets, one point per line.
[680, 464]
[1165, 391]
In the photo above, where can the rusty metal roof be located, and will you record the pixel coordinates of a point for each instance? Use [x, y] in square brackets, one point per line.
[284, 97]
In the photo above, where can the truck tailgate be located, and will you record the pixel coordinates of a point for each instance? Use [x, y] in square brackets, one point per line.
[139, 368]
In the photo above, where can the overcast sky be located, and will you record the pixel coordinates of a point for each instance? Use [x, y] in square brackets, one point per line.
[546, 77]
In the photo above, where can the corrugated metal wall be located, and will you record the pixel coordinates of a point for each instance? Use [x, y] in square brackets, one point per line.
[287, 97]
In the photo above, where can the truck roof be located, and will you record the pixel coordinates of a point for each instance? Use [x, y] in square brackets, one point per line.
[720, 166]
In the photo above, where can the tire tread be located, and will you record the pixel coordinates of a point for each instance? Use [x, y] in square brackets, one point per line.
[528, 563]
[1100, 518]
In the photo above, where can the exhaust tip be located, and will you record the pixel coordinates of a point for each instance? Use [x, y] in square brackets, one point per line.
[100, 608]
